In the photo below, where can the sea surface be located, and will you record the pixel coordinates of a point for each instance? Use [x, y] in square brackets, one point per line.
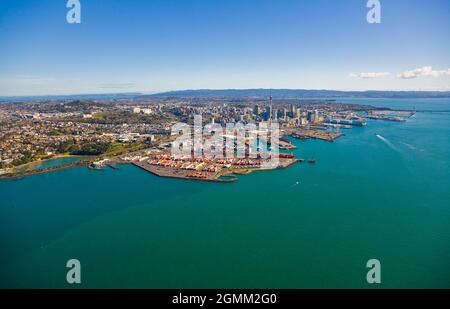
[50, 163]
[380, 192]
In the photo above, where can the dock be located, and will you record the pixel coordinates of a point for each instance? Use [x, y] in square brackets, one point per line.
[321, 135]
[169, 172]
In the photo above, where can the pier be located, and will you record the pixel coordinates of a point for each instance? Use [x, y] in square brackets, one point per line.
[386, 118]
[170, 172]
[325, 136]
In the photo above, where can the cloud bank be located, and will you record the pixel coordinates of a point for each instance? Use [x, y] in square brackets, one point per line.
[370, 75]
[424, 71]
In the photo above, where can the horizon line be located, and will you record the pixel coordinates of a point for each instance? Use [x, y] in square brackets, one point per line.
[211, 89]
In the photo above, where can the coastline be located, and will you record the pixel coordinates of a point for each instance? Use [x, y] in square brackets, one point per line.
[31, 171]
[231, 173]
[158, 171]
[40, 161]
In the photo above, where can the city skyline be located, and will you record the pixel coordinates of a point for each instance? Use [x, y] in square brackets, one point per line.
[158, 46]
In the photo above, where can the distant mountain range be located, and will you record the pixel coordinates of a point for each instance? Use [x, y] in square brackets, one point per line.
[241, 93]
[300, 93]
[105, 96]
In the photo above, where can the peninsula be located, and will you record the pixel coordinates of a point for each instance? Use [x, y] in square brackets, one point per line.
[117, 129]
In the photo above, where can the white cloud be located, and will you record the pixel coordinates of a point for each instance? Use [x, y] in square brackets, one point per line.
[425, 71]
[370, 75]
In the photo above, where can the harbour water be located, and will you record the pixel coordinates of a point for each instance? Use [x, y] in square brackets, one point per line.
[381, 191]
[45, 164]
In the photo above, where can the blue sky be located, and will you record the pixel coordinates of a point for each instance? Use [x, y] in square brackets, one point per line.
[158, 45]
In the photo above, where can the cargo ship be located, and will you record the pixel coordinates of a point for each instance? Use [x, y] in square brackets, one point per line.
[349, 122]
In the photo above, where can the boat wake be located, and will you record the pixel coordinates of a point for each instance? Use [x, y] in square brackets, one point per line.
[387, 142]
[295, 184]
[412, 147]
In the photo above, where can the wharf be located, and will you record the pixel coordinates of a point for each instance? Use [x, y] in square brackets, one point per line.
[386, 118]
[170, 172]
[224, 176]
[326, 136]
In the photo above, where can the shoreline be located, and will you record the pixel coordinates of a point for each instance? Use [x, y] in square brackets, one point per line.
[167, 172]
[30, 165]
[33, 172]
[162, 172]
[29, 169]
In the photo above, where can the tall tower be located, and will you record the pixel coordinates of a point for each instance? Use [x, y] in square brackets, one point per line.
[270, 106]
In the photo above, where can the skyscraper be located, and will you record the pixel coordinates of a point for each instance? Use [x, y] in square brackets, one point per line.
[256, 110]
[270, 107]
[293, 111]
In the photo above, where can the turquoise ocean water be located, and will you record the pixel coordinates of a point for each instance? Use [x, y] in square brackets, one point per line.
[379, 192]
[52, 163]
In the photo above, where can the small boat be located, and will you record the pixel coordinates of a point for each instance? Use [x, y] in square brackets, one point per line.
[286, 156]
[95, 167]
[312, 161]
